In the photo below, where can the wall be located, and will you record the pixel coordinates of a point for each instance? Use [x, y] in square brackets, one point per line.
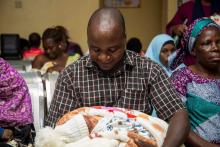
[144, 22]
[36, 15]
[172, 7]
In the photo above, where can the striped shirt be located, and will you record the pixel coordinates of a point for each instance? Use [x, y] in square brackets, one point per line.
[140, 85]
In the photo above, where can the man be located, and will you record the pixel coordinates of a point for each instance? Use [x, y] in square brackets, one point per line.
[112, 76]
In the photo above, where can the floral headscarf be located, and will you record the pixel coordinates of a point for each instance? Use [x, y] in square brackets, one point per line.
[188, 40]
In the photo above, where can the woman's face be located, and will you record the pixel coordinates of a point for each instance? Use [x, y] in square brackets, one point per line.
[52, 49]
[207, 48]
[165, 52]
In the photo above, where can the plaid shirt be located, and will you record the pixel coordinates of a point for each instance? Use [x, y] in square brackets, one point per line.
[139, 85]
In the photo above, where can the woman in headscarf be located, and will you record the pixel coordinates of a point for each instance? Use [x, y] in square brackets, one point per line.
[199, 84]
[16, 120]
[160, 48]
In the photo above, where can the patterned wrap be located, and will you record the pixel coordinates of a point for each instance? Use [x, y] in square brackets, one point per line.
[121, 120]
[15, 101]
[188, 40]
[202, 98]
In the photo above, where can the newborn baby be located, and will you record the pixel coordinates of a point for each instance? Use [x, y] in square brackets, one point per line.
[98, 127]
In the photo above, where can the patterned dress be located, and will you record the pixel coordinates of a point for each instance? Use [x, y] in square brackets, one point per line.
[15, 106]
[15, 101]
[202, 98]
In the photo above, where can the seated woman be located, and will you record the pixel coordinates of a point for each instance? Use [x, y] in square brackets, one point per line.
[16, 120]
[160, 48]
[56, 55]
[199, 84]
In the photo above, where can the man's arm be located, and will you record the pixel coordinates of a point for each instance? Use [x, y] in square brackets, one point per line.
[64, 99]
[178, 129]
[193, 140]
[169, 107]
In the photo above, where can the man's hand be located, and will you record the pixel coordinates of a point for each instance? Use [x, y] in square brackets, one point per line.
[141, 141]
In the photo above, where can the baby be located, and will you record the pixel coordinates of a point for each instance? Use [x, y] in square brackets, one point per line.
[98, 128]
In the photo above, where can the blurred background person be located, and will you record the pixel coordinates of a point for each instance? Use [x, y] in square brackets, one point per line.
[190, 11]
[134, 44]
[56, 56]
[160, 48]
[185, 15]
[34, 40]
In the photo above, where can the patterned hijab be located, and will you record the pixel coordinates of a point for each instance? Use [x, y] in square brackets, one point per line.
[188, 40]
[15, 101]
[153, 51]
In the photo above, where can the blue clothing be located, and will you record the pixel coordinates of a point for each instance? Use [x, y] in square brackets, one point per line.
[1, 132]
[153, 51]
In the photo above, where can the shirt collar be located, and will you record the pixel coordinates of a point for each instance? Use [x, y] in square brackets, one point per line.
[129, 60]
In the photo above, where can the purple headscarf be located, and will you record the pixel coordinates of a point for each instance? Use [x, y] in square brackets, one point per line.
[15, 101]
[188, 40]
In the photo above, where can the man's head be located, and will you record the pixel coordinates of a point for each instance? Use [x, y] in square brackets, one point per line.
[134, 44]
[106, 38]
[34, 40]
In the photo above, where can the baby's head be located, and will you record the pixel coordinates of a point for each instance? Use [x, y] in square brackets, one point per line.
[72, 130]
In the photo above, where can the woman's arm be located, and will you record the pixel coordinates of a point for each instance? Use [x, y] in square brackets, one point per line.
[194, 140]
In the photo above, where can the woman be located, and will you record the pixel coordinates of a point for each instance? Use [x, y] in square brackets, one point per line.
[56, 48]
[199, 84]
[160, 48]
[16, 120]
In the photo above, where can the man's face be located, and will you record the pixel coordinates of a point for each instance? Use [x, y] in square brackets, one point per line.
[106, 46]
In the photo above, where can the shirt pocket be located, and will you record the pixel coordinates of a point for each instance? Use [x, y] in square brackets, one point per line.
[135, 98]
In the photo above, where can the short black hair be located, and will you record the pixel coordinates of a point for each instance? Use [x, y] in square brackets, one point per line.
[34, 40]
[134, 44]
[57, 33]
